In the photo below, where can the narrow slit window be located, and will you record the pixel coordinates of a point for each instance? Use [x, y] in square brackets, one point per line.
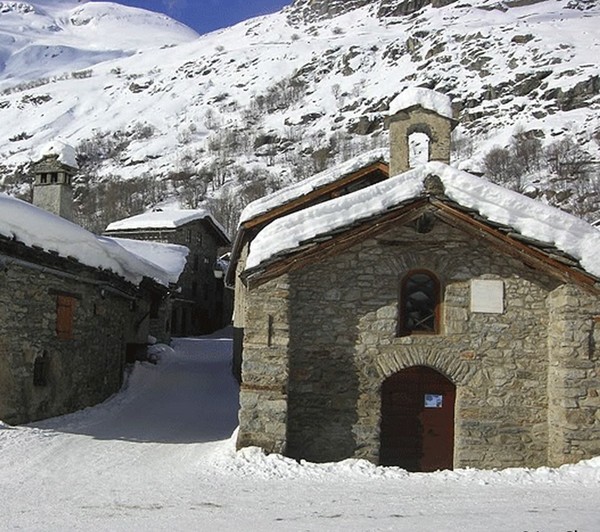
[40, 370]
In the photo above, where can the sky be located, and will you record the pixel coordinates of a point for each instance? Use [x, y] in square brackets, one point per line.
[208, 15]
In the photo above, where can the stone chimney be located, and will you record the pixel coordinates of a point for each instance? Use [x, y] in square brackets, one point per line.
[53, 186]
[419, 110]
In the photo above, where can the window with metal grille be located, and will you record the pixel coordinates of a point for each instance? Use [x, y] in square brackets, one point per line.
[65, 312]
[419, 303]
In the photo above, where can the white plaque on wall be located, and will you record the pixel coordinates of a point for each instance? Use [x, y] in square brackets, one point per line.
[487, 296]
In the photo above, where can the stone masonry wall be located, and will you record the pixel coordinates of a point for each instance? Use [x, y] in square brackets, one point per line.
[81, 371]
[573, 375]
[342, 327]
[263, 394]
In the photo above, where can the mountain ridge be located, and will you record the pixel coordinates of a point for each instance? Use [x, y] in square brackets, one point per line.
[276, 98]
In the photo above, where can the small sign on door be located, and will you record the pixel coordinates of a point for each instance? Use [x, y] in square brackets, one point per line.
[433, 400]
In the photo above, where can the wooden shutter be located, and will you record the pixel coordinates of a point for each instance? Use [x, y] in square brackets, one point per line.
[65, 311]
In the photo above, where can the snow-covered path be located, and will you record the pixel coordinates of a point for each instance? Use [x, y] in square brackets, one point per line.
[158, 457]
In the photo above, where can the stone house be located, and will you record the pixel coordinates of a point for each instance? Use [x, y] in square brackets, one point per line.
[423, 318]
[72, 306]
[171, 258]
[201, 304]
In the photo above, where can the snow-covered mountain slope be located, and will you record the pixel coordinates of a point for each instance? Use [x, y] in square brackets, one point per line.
[52, 37]
[296, 90]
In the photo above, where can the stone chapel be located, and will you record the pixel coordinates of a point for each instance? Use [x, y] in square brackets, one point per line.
[416, 317]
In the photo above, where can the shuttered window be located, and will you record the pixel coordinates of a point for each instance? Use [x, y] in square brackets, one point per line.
[65, 313]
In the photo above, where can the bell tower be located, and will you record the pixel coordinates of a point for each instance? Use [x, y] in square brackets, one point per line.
[419, 110]
[53, 186]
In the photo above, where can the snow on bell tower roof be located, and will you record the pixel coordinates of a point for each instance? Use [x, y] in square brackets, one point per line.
[426, 98]
[65, 152]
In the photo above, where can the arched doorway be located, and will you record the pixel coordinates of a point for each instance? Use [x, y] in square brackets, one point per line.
[417, 420]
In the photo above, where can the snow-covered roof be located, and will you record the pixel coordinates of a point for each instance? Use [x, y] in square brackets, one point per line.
[426, 98]
[296, 190]
[529, 217]
[170, 257]
[164, 219]
[35, 227]
[66, 153]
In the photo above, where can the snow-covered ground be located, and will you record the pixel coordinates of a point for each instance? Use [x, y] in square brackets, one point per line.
[159, 456]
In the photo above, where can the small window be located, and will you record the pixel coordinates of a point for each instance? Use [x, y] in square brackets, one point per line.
[43, 178]
[54, 177]
[419, 304]
[65, 312]
[188, 235]
[40, 370]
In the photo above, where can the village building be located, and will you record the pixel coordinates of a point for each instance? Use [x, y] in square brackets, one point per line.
[171, 258]
[423, 318]
[201, 304]
[74, 307]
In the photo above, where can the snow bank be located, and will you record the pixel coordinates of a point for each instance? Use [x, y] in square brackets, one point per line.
[255, 463]
[66, 153]
[164, 219]
[296, 190]
[426, 98]
[528, 217]
[35, 227]
[172, 258]
[156, 352]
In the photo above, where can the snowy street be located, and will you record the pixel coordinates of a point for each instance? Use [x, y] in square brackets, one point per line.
[159, 456]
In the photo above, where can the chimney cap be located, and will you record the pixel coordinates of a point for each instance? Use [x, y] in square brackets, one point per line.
[65, 153]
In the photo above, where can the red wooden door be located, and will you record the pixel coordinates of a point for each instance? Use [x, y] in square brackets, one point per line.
[417, 420]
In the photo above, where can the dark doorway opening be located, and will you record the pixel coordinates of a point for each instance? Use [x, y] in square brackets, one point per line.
[417, 420]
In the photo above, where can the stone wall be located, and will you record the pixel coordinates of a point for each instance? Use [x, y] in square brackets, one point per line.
[342, 319]
[263, 394]
[573, 375]
[78, 372]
